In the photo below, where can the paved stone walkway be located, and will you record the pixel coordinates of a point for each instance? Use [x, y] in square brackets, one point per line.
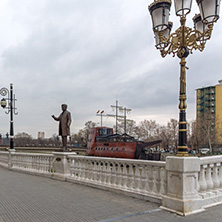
[25, 197]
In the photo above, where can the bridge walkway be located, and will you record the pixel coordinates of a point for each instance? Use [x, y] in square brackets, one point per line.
[28, 198]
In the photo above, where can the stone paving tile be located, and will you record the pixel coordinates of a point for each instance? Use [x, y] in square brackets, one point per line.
[28, 198]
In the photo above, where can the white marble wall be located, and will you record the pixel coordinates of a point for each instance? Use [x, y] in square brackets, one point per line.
[137, 176]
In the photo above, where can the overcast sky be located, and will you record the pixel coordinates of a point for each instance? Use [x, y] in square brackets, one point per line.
[88, 53]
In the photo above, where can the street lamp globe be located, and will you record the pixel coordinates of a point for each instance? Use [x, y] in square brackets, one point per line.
[182, 7]
[160, 11]
[165, 33]
[201, 27]
[3, 103]
[209, 10]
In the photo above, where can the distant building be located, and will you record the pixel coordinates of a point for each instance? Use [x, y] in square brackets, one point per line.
[41, 135]
[209, 107]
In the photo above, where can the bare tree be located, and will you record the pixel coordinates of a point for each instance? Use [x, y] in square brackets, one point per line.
[82, 136]
[148, 130]
[206, 129]
[172, 127]
[23, 139]
[130, 127]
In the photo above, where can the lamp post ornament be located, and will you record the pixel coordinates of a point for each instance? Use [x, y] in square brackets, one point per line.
[10, 106]
[182, 42]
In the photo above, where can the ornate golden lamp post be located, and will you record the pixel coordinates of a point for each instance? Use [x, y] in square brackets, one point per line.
[182, 42]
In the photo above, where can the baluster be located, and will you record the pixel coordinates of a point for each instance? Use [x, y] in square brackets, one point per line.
[98, 171]
[86, 170]
[94, 171]
[131, 176]
[29, 160]
[144, 179]
[113, 176]
[103, 179]
[43, 164]
[46, 164]
[83, 169]
[162, 181]
[108, 176]
[77, 169]
[80, 169]
[216, 181]
[137, 177]
[102, 166]
[119, 175]
[124, 176]
[34, 165]
[202, 179]
[155, 180]
[38, 163]
[90, 170]
[74, 168]
[28, 165]
[209, 181]
[71, 167]
[150, 179]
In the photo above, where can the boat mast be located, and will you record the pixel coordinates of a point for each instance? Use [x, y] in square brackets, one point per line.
[119, 108]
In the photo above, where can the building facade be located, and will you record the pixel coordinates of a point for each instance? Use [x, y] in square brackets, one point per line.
[209, 113]
[41, 135]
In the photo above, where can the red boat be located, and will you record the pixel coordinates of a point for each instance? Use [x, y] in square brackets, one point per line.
[102, 142]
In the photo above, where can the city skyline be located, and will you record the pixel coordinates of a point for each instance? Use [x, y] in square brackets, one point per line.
[90, 54]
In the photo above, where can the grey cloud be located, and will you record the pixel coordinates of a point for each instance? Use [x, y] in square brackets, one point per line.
[88, 52]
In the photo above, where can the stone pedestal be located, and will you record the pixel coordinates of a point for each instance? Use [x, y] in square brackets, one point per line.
[182, 185]
[61, 164]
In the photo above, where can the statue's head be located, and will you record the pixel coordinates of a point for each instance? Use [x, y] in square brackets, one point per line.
[64, 107]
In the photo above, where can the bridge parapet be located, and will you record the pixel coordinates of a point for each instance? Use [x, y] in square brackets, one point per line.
[146, 179]
[184, 185]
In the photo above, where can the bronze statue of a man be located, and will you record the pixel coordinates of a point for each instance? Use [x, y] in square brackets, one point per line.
[64, 125]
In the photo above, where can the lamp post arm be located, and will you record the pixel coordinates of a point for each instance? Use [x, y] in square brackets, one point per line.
[184, 36]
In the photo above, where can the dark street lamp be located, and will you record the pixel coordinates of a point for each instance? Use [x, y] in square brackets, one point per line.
[10, 106]
[182, 42]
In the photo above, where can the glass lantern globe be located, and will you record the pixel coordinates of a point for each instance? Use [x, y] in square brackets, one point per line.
[209, 10]
[3, 103]
[182, 7]
[160, 11]
[201, 27]
[165, 33]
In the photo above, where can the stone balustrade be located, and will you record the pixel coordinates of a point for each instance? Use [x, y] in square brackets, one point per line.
[35, 163]
[183, 185]
[146, 178]
[4, 159]
[210, 179]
